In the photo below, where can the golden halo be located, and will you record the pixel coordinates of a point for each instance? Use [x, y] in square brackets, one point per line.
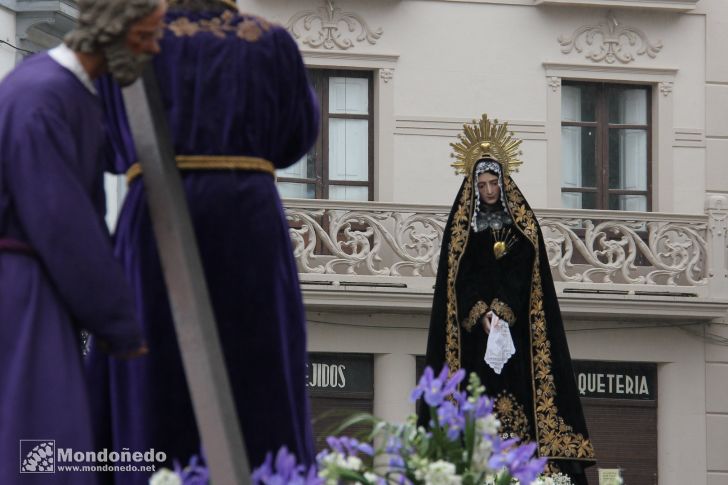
[486, 138]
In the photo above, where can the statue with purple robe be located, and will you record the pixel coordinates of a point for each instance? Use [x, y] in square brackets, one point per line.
[58, 274]
[238, 105]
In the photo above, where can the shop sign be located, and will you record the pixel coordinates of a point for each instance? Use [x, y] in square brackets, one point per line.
[616, 380]
[340, 373]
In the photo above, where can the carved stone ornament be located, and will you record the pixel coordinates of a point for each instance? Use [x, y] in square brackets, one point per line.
[666, 88]
[386, 74]
[716, 206]
[555, 83]
[609, 41]
[329, 26]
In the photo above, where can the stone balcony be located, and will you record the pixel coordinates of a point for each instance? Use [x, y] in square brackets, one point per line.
[374, 256]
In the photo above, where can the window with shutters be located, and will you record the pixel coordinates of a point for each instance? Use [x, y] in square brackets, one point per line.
[606, 146]
[340, 166]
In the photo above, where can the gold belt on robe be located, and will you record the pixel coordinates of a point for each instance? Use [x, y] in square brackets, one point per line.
[210, 162]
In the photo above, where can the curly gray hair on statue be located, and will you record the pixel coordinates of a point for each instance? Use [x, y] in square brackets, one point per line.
[102, 22]
[102, 28]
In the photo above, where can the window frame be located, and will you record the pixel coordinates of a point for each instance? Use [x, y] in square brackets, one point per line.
[602, 128]
[319, 80]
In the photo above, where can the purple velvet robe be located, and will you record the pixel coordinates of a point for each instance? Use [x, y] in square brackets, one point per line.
[52, 151]
[237, 90]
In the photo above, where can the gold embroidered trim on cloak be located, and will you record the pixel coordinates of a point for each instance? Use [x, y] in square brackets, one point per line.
[503, 311]
[551, 468]
[206, 162]
[512, 416]
[249, 28]
[555, 438]
[478, 310]
[458, 241]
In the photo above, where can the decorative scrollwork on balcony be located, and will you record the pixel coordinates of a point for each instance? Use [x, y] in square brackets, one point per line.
[599, 247]
[385, 243]
[609, 41]
[330, 27]
[630, 252]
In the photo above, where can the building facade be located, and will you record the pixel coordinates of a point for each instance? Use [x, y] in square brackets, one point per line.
[621, 106]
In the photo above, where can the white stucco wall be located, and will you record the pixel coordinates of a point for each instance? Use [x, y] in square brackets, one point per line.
[457, 60]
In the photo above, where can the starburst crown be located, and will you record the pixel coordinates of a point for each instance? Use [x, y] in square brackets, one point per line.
[485, 138]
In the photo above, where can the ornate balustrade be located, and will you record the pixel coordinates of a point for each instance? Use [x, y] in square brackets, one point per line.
[626, 247]
[374, 239]
[589, 247]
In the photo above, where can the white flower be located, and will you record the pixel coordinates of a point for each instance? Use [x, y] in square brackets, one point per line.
[331, 464]
[417, 463]
[439, 473]
[488, 425]
[543, 481]
[165, 476]
[483, 448]
[340, 461]
[370, 477]
[560, 479]
[481, 453]
[352, 463]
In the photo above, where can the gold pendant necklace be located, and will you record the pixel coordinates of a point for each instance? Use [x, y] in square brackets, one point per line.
[504, 240]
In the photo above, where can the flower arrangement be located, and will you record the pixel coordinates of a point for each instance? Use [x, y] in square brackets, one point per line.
[461, 447]
[195, 473]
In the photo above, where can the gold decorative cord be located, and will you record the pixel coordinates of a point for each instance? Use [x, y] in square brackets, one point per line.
[208, 162]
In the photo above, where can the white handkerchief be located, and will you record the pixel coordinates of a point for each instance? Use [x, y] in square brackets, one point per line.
[500, 345]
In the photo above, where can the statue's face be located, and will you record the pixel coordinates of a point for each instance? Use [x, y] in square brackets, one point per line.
[488, 188]
[144, 34]
[126, 57]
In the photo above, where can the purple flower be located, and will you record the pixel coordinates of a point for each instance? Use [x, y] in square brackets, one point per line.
[394, 445]
[452, 419]
[461, 398]
[195, 473]
[396, 461]
[483, 407]
[312, 477]
[349, 446]
[501, 446]
[403, 480]
[518, 460]
[437, 389]
[284, 471]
